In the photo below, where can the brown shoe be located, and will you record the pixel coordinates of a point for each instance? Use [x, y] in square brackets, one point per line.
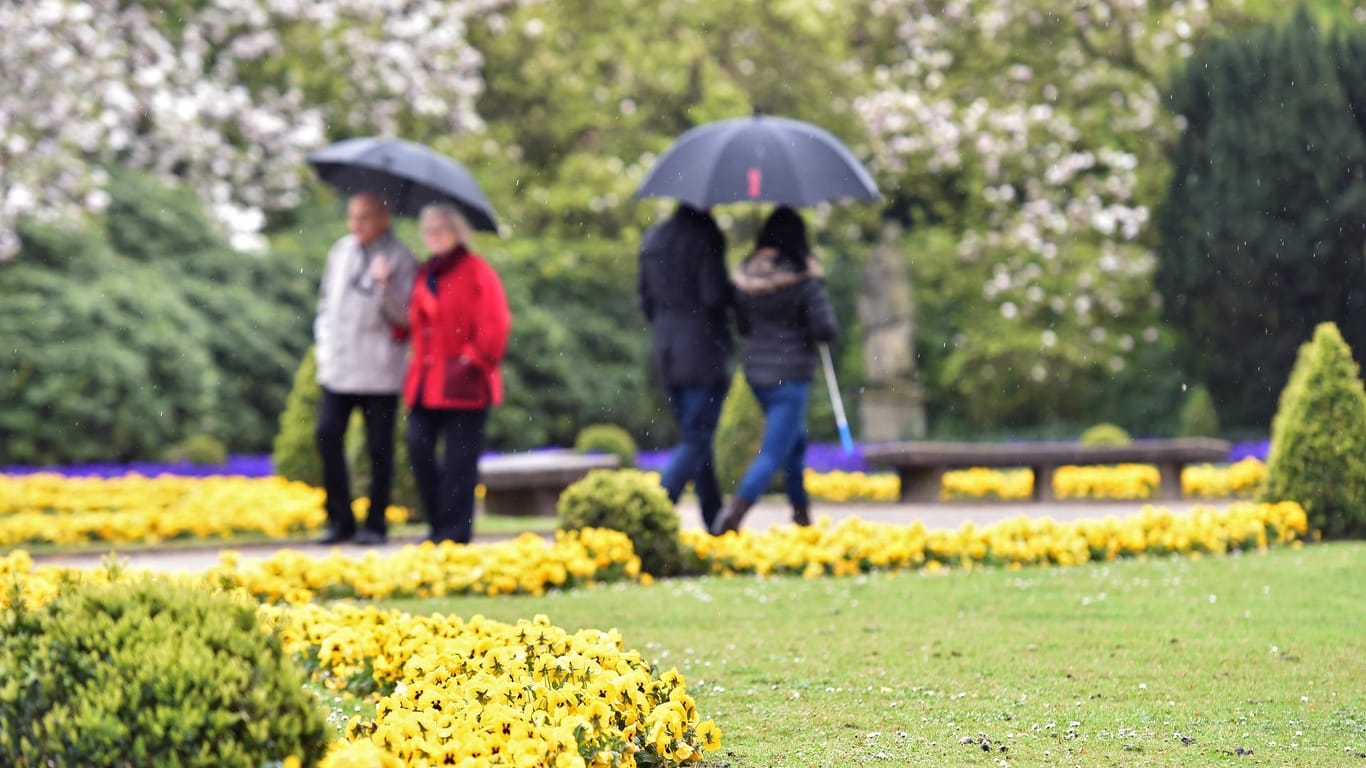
[730, 519]
[801, 514]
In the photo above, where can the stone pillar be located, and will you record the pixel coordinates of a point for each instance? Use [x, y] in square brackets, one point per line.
[892, 404]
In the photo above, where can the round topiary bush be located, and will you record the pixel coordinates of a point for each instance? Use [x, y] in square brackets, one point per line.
[1318, 438]
[609, 439]
[200, 450]
[632, 502]
[1105, 434]
[1198, 417]
[151, 673]
[739, 433]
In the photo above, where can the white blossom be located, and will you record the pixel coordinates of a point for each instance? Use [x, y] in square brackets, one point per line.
[98, 83]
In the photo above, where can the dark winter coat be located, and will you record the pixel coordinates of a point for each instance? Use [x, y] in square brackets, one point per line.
[783, 314]
[685, 294]
[459, 322]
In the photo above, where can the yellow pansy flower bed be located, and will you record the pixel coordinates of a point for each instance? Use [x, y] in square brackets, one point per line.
[1210, 481]
[479, 692]
[54, 509]
[448, 691]
[529, 564]
[1123, 481]
[853, 545]
[840, 486]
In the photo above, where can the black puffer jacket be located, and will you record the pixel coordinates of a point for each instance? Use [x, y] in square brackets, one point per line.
[783, 314]
[686, 294]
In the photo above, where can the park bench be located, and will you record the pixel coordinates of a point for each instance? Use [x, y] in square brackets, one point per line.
[922, 464]
[529, 484]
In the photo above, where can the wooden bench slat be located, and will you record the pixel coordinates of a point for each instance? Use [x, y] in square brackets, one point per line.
[531, 483]
[922, 464]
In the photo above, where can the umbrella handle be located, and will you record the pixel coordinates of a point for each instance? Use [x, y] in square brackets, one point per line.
[846, 439]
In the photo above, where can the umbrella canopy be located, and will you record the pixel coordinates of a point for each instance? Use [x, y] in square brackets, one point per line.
[407, 175]
[758, 159]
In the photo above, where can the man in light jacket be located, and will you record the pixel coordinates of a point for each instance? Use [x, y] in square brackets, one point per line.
[360, 333]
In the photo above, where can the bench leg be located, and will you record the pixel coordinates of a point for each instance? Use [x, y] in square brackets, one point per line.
[1169, 480]
[921, 484]
[521, 502]
[1043, 483]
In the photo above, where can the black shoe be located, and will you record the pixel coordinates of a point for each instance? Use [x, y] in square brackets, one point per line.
[334, 536]
[369, 538]
[730, 519]
[801, 514]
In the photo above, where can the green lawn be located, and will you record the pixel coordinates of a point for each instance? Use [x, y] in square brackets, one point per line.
[1244, 660]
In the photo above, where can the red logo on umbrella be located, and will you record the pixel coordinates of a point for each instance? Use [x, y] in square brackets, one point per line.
[756, 182]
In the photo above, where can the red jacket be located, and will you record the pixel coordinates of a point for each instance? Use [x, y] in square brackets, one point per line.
[459, 334]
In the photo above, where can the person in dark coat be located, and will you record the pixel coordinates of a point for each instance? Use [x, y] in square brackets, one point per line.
[686, 297]
[783, 312]
[460, 323]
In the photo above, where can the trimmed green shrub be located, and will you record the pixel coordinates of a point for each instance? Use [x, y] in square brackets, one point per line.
[122, 339]
[632, 502]
[295, 453]
[739, 432]
[151, 673]
[102, 360]
[1105, 434]
[201, 450]
[609, 439]
[1198, 417]
[1318, 438]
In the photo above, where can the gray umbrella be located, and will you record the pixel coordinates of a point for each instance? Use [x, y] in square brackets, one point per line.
[758, 159]
[407, 175]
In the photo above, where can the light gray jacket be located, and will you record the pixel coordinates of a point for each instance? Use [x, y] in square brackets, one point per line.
[357, 350]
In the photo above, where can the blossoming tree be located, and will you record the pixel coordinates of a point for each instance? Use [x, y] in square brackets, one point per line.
[1026, 140]
[226, 96]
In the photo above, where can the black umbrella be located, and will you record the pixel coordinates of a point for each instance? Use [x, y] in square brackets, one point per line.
[407, 175]
[758, 159]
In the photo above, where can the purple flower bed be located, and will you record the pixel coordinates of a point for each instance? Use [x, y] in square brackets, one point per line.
[822, 457]
[247, 466]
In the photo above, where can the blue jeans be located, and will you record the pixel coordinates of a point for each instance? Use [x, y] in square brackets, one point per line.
[697, 409]
[784, 445]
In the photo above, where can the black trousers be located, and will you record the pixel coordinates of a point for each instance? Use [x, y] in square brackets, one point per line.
[447, 487]
[334, 414]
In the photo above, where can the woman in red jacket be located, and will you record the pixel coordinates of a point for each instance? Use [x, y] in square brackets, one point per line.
[459, 321]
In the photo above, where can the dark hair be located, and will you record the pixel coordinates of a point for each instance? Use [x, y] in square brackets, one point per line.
[785, 232]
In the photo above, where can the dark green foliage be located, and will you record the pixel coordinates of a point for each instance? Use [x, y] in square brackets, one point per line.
[151, 673]
[579, 349]
[133, 337]
[1105, 434]
[102, 360]
[203, 450]
[1265, 220]
[1318, 438]
[609, 439]
[632, 502]
[259, 308]
[1198, 416]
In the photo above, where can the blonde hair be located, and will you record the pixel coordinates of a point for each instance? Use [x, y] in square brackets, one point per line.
[451, 216]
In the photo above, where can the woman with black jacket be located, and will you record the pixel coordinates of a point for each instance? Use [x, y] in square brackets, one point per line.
[783, 311]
